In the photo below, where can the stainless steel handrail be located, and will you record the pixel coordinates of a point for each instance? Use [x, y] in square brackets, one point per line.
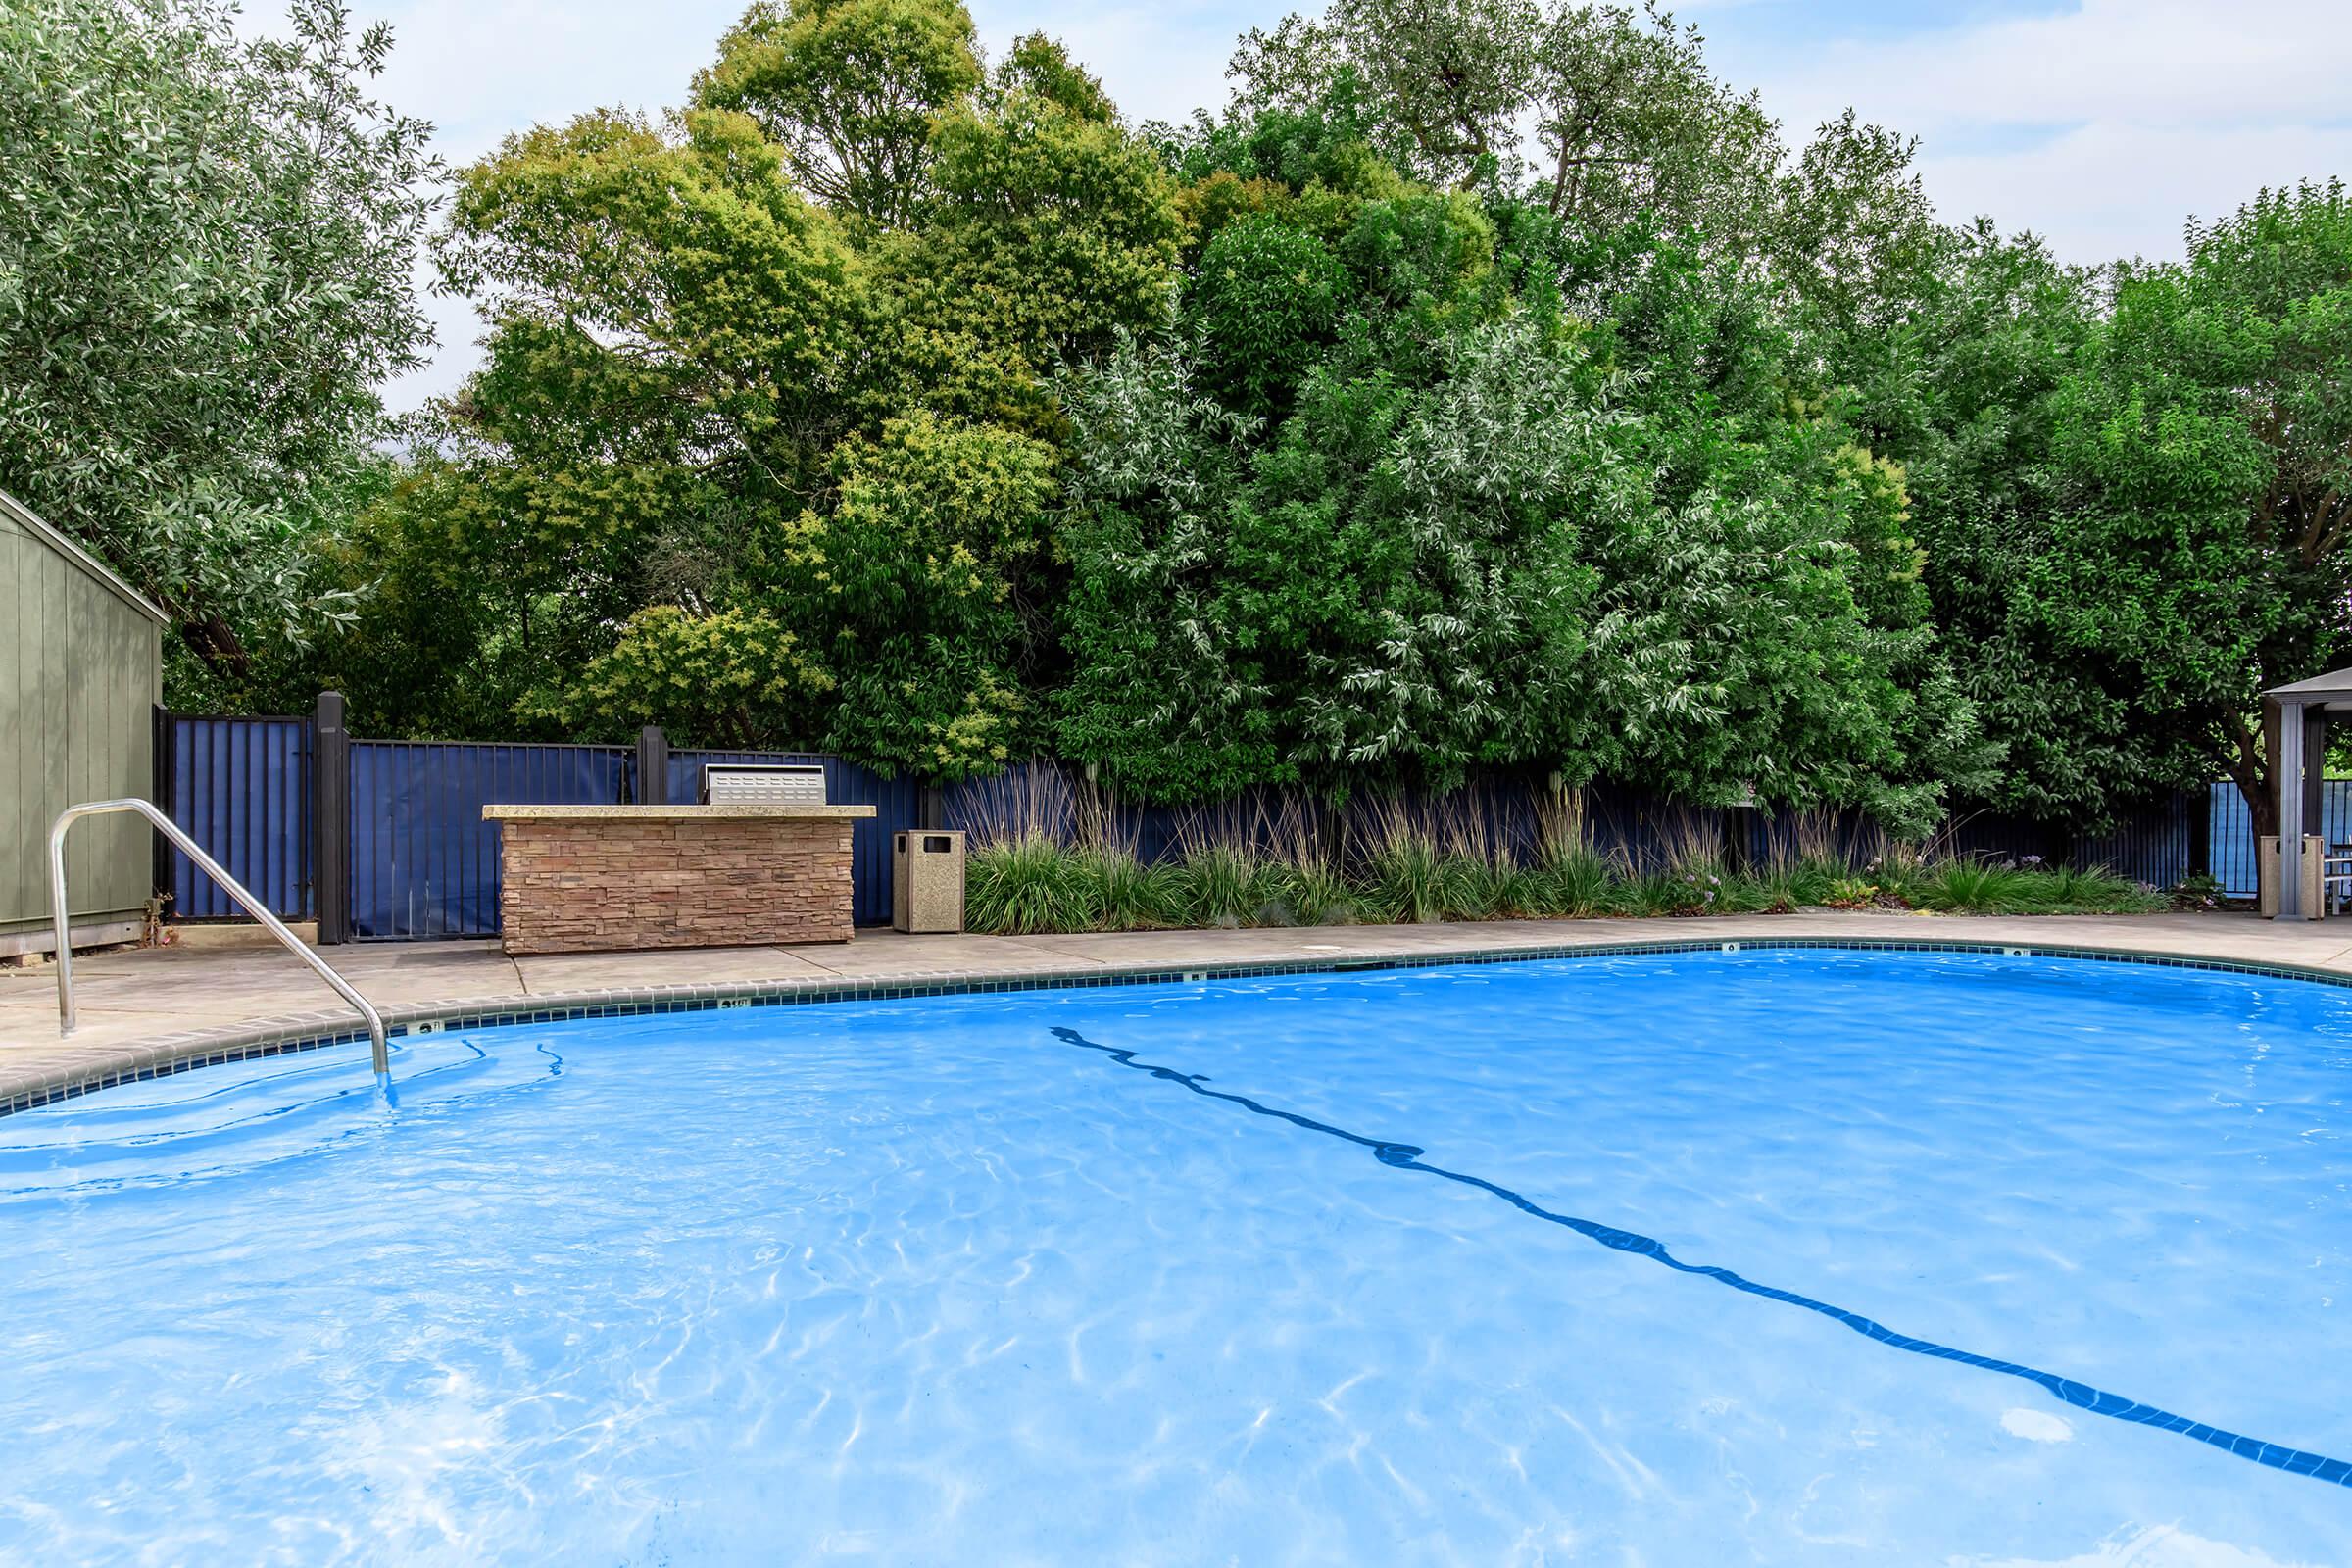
[381, 1054]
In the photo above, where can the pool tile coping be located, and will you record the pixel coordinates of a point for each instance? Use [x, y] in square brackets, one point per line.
[287, 1034]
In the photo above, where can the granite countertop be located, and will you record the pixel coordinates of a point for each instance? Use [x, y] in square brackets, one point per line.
[662, 813]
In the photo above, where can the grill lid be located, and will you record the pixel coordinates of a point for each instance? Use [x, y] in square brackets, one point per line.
[763, 784]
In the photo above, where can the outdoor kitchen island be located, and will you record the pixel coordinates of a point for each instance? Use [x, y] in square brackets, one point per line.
[612, 878]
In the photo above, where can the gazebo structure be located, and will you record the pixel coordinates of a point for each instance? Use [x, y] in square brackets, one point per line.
[2297, 716]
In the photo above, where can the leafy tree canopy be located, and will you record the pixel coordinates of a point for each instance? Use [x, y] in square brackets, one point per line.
[204, 259]
[1487, 385]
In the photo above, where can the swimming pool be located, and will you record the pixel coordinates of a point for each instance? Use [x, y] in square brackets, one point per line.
[1786, 1257]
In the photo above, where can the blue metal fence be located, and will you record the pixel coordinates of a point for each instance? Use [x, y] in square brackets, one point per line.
[897, 803]
[423, 864]
[242, 787]
[2156, 845]
[2234, 831]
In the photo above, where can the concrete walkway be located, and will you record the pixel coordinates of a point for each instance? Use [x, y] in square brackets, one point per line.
[158, 1007]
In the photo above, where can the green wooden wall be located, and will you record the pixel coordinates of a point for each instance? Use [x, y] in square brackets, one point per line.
[80, 672]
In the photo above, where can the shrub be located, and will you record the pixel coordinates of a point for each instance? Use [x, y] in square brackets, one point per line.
[1029, 884]
[1568, 880]
[2199, 890]
[1274, 869]
[1227, 884]
[2089, 890]
[1130, 895]
[1472, 887]
[1317, 894]
[1972, 887]
[1405, 879]
[1850, 893]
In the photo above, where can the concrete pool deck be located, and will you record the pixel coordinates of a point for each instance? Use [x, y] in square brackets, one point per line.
[147, 1009]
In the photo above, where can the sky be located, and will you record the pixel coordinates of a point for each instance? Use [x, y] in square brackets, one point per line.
[2100, 125]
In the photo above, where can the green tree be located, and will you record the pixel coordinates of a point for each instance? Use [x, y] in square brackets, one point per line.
[773, 367]
[206, 249]
[1964, 381]
[1444, 83]
[2204, 457]
[731, 678]
[1764, 626]
[1159, 693]
[1633, 127]
[845, 90]
[664, 289]
[1266, 298]
[1634, 138]
[924, 573]
[1387, 591]
[1054, 228]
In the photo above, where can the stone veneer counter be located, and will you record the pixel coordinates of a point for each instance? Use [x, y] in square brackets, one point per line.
[610, 878]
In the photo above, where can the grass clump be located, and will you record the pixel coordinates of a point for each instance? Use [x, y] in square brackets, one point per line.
[1998, 887]
[1568, 881]
[1226, 884]
[1130, 895]
[1029, 884]
[1315, 892]
[1049, 869]
[1405, 881]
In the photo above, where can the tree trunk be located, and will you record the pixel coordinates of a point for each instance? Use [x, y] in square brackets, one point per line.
[216, 642]
[2252, 769]
[2262, 800]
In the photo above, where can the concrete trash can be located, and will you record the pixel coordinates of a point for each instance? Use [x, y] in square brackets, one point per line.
[2267, 876]
[926, 881]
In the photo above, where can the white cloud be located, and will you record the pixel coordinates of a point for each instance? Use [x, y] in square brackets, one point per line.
[2112, 189]
[2142, 62]
[2101, 126]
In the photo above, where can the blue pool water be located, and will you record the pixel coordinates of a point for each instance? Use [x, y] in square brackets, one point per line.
[1776, 1256]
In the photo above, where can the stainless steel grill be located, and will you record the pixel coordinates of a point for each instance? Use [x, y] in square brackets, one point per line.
[762, 784]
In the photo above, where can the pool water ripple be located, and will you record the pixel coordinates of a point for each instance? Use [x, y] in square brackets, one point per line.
[1407, 1156]
[920, 1280]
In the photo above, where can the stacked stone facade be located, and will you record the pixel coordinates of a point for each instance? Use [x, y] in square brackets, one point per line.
[589, 885]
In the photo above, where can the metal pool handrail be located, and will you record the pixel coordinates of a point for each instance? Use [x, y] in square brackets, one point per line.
[380, 1053]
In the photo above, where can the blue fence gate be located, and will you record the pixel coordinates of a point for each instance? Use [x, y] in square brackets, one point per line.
[243, 789]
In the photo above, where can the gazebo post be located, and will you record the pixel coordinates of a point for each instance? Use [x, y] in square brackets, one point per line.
[2289, 783]
[2315, 771]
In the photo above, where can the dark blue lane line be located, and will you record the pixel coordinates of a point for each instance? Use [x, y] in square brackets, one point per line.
[2082, 1396]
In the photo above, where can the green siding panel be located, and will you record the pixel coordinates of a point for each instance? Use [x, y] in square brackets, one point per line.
[80, 671]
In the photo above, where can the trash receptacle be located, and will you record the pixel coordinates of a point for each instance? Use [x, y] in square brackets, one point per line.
[2266, 876]
[926, 881]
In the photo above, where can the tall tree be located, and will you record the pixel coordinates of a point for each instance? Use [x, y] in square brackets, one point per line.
[762, 450]
[1443, 80]
[1632, 124]
[1962, 381]
[846, 91]
[2205, 460]
[206, 251]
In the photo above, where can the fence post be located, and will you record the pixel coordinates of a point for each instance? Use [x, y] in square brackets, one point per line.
[161, 764]
[2200, 832]
[330, 819]
[653, 766]
[930, 807]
